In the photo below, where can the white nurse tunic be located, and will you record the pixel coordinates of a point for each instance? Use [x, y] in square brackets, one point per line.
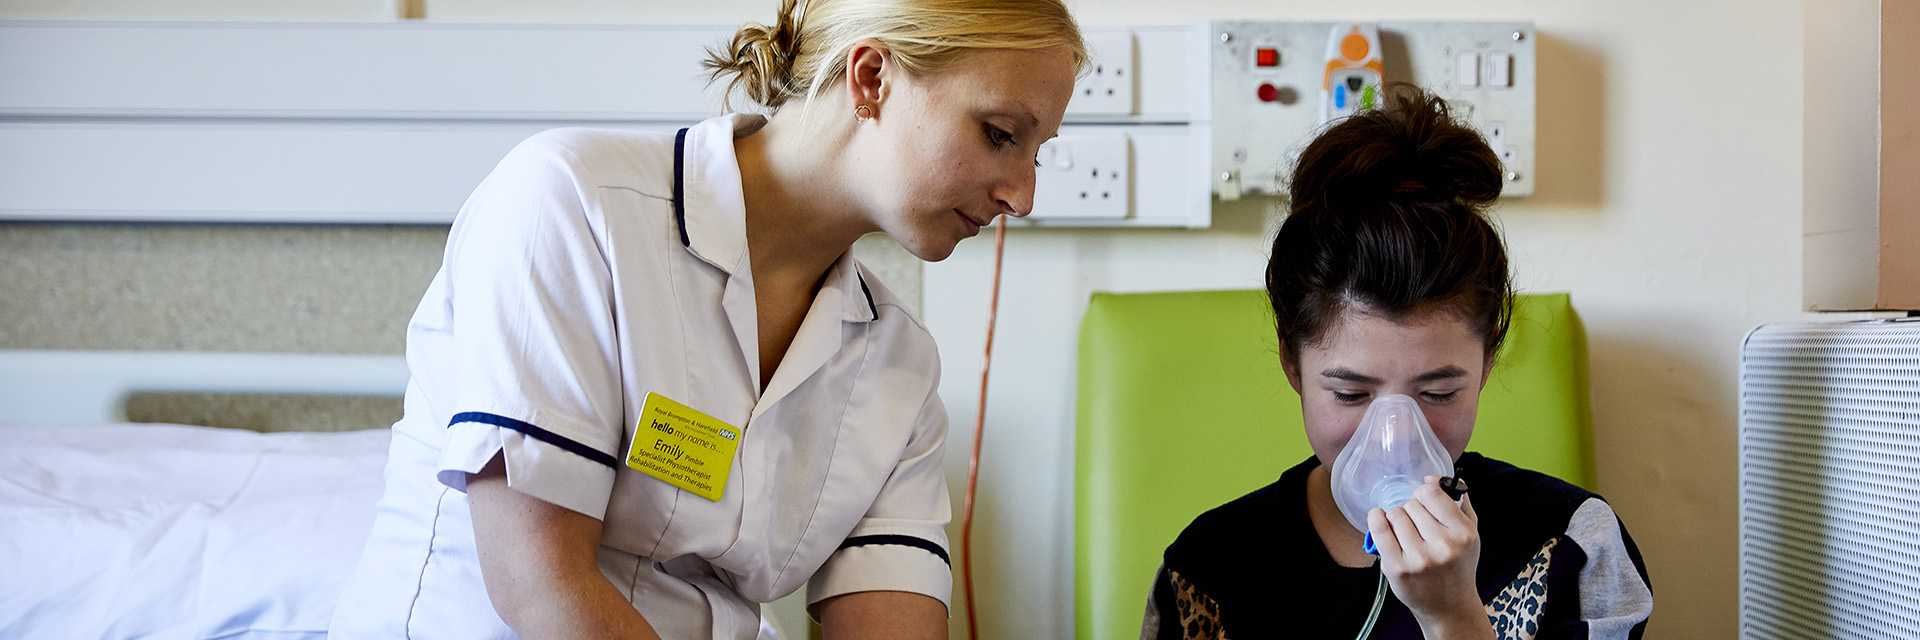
[589, 269]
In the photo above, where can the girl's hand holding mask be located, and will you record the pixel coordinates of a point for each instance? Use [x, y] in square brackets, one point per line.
[1429, 550]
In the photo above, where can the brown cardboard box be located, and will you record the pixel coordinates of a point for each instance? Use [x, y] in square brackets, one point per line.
[1862, 171]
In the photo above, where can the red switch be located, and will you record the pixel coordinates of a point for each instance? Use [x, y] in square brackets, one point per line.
[1269, 93]
[1266, 57]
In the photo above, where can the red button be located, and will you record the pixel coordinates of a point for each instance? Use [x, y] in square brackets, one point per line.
[1269, 93]
[1266, 57]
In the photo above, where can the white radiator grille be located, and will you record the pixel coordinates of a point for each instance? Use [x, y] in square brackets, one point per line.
[1830, 481]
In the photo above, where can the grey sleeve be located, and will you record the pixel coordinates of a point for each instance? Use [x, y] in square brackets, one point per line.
[1150, 625]
[1615, 599]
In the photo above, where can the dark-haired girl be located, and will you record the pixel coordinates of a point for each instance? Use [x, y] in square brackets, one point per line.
[1387, 278]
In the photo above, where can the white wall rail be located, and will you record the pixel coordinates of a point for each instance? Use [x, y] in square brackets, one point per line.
[396, 122]
[307, 122]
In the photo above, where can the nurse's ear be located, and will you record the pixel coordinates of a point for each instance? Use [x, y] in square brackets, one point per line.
[870, 71]
[1290, 361]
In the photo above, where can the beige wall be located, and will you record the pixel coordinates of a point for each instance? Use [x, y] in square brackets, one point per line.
[1668, 203]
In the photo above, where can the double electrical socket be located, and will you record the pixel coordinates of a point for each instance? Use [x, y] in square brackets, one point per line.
[1107, 89]
[1089, 175]
[1084, 176]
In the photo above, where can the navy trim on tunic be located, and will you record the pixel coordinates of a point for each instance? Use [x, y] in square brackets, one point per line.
[536, 433]
[910, 541]
[680, 185]
[869, 294]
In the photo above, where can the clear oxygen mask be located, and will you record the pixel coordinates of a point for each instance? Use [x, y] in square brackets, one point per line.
[1390, 455]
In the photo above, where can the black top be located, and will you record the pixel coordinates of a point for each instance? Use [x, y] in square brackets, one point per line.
[1255, 567]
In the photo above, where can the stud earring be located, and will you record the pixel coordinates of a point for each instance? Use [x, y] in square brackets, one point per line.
[862, 114]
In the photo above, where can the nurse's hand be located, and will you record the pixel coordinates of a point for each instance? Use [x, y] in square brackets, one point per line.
[538, 561]
[1429, 551]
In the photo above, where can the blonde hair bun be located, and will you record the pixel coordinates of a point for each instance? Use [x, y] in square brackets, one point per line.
[806, 48]
[760, 59]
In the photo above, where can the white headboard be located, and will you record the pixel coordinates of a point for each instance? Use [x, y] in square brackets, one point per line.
[311, 122]
[92, 386]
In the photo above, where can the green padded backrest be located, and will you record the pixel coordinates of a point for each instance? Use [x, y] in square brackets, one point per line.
[1183, 407]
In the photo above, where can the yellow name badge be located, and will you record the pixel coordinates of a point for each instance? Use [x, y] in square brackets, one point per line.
[686, 448]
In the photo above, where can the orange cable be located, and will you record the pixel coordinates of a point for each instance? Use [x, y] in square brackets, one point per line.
[979, 429]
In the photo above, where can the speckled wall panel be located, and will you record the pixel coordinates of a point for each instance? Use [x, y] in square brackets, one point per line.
[265, 412]
[213, 288]
[297, 289]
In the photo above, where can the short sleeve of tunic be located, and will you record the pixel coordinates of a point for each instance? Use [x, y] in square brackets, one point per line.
[536, 375]
[900, 544]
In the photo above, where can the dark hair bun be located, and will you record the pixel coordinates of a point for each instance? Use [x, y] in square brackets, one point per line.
[1409, 152]
[1389, 214]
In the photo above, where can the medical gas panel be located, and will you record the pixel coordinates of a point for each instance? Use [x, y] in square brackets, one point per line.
[1171, 119]
[1275, 85]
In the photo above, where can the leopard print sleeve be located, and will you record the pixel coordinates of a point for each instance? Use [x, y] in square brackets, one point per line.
[1517, 610]
[1192, 614]
[1199, 615]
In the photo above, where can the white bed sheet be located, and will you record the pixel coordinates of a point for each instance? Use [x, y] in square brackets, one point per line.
[170, 531]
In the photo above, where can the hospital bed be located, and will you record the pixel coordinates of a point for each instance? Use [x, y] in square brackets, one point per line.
[116, 529]
[122, 530]
[1183, 407]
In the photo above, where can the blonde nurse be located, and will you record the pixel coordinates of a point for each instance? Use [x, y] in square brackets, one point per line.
[652, 390]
